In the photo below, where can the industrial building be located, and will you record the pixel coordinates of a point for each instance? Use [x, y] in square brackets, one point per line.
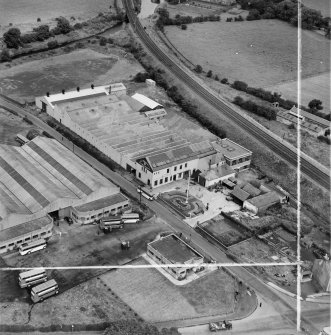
[172, 250]
[43, 180]
[128, 130]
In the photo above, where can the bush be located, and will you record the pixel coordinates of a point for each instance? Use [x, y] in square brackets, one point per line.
[224, 81]
[52, 44]
[12, 38]
[216, 78]
[103, 41]
[141, 77]
[324, 139]
[42, 32]
[315, 104]
[183, 26]
[63, 26]
[39, 19]
[5, 56]
[29, 38]
[209, 73]
[291, 126]
[253, 14]
[198, 69]
[32, 134]
[240, 86]
[78, 26]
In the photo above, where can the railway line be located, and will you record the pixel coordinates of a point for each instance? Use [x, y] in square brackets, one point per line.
[319, 175]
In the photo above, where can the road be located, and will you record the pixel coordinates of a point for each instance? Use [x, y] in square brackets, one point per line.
[309, 167]
[285, 306]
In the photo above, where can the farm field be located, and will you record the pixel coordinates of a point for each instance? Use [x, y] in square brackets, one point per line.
[10, 125]
[261, 53]
[77, 68]
[316, 87]
[156, 299]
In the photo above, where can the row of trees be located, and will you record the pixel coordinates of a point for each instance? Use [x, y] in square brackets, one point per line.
[286, 10]
[267, 112]
[178, 98]
[165, 20]
[14, 39]
[314, 106]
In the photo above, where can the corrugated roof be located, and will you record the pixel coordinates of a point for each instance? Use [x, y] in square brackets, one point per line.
[265, 199]
[253, 191]
[311, 116]
[240, 194]
[175, 250]
[145, 100]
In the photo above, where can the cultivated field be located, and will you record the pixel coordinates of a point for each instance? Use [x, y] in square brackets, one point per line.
[261, 53]
[155, 298]
[316, 87]
[10, 125]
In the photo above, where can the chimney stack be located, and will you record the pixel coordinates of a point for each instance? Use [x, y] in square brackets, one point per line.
[47, 94]
[63, 91]
[78, 88]
[92, 86]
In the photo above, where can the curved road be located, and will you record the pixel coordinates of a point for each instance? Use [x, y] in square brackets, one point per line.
[320, 176]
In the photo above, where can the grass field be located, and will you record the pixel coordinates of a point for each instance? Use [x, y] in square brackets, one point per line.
[311, 88]
[321, 5]
[66, 71]
[261, 53]
[155, 298]
[10, 125]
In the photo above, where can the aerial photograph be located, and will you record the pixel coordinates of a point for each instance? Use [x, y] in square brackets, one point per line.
[165, 167]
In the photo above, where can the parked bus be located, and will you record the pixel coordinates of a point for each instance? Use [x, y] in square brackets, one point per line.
[21, 139]
[27, 248]
[111, 222]
[32, 277]
[45, 290]
[130, 218]
[146, 193]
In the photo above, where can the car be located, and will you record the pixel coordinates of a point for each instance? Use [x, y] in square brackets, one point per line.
[218, 326]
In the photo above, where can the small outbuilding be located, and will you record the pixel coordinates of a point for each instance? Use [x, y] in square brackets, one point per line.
[240, 195]
[213, 176]
[262, 202]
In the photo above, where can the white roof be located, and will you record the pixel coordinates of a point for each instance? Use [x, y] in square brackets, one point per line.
[145, 100]
[75, 94]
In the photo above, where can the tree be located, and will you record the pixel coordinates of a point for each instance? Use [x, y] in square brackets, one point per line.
[240, 85]
[39, 19]
[32, 134]
[315, 104]
[183, 26]
[103, 41]
[198, 69]
[12, 38]
[5, 56]
[216, 78]
[224, 81]
[52, 44]
[42, 32]
[63, 25]
[209, 73]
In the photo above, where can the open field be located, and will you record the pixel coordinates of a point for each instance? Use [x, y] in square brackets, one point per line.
[316, 87]
[24, 13]
[155, 298]
[10, 125]
[67, 71]
[88, 303]
[261, 53]
[322, 5]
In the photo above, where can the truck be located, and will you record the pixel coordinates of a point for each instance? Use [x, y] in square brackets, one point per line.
[221, 325]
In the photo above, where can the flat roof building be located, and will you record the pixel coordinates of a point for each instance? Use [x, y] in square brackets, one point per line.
[262, 202]
[173, 250]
